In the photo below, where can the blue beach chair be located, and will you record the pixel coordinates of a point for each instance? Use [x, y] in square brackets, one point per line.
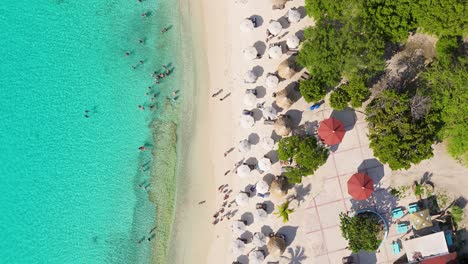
[396, 248]
[397, 213]
[402, 228]
[413, 208]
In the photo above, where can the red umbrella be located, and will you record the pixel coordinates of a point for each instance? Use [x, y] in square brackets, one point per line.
[331, 131]
[360, 186]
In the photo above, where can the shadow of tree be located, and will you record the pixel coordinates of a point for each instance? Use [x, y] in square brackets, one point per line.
[297, 255]
[302, 192]
[289, 232]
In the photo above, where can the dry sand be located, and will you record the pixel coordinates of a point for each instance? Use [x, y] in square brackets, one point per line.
[221, 65]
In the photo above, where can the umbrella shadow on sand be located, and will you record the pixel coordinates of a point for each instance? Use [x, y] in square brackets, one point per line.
[289, 232]
[272, 155]
[261, 47]
[296, 255]
[374, 168]
[253, 138]
[346, 116]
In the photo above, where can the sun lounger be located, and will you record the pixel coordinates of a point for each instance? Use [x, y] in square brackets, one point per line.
[397, 213]
[269, 122]
[396, 248]
[402, 228]
[413, 208]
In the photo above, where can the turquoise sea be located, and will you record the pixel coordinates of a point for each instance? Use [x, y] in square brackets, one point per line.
[69, 185]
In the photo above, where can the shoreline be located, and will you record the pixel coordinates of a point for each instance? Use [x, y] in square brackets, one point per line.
[191, 169]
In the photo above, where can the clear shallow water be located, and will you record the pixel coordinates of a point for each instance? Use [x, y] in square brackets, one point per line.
[68, 184]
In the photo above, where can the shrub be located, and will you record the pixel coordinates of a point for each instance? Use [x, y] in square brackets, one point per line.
[446, 45]
[339, 99]
[396, 137]
[313, 90]
[457, 213]
[358, 92]
[305, 152]
[361, 231]
[284, 211]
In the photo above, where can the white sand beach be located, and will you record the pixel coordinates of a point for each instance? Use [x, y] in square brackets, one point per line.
[312, 234]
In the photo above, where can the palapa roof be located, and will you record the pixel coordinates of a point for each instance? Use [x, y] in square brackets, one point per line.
[279, 3]
[283, 100]
[278, 187]
[288, 68]
[421, 219]
[283, 125]
[276, 246]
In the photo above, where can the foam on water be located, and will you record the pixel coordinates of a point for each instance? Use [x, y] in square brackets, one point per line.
[69, 184]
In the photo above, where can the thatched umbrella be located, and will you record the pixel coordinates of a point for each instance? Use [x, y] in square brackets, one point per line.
[283, 100]
[278, 187]
[288, 68]
[275, 52]
[421, 219]
[293, 41]
[250, 53]
[238, 247]
[256, 257]
[258, 239]
[275, 28]
[247, 25]
[276, 246]
[294, 16]
[279, 3]
[283, 125]
[271, 81]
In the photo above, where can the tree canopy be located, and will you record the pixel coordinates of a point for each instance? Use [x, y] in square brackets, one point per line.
[361, 231]
[304, 152]
[339, 99]
[351, 41]
[448, 83]
[398, 135]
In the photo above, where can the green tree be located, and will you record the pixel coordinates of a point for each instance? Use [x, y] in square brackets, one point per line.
[313, 90]
[442, 18]
[391, 19]
[357, 91]
[449, 86]
[339, 99]
[306, 154]
[396, 136]
[284, 211]
[361, 231]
